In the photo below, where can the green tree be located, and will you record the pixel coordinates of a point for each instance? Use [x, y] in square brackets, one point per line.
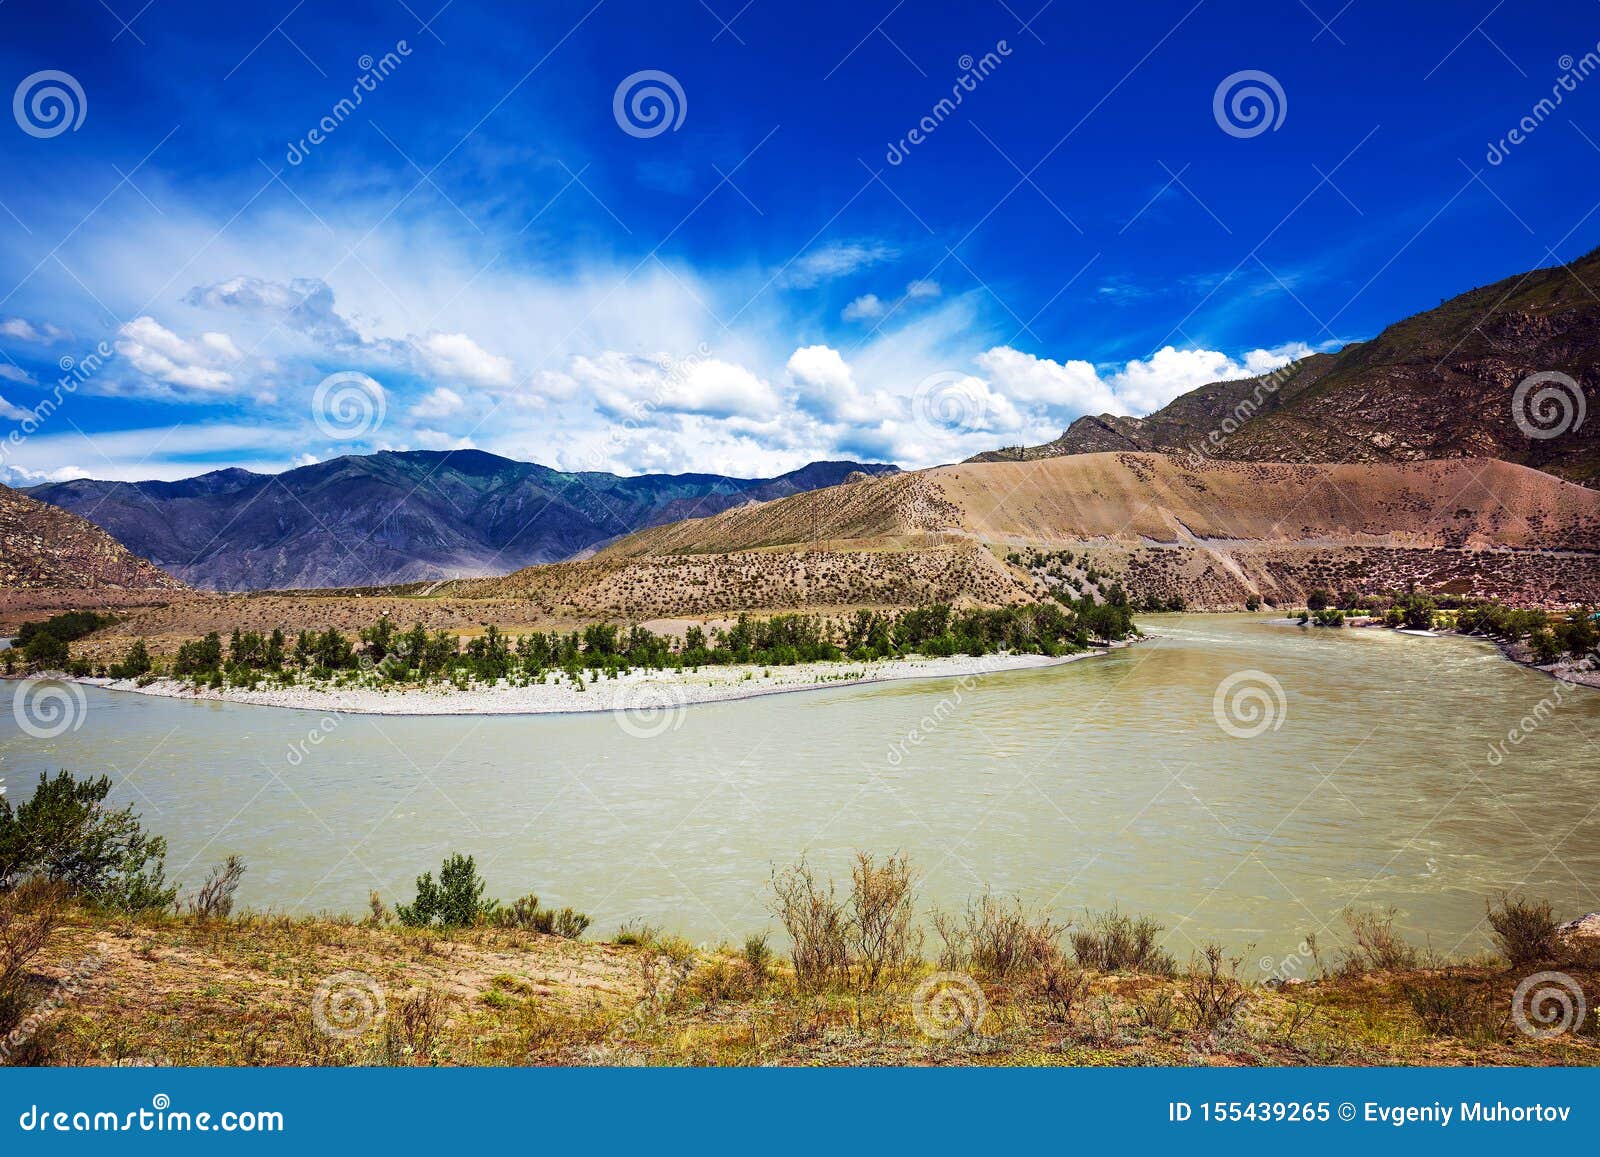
[64, 833]
[45, 652]
[135, 663]
[1546, 649]
[455, 901]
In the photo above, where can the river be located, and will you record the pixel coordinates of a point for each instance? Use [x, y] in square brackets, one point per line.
[1110, 781]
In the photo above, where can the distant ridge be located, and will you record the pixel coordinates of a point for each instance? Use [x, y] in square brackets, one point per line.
[400, 516]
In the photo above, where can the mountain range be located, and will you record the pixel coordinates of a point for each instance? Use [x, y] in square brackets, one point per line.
[400, 516]
[1446, 383]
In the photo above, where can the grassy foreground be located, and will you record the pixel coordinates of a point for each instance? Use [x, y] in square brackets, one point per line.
[173, 989]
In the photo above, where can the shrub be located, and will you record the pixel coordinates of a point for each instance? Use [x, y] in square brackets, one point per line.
[721, 978]
[758, 958]
[29, 916]
[1378, 948]
[995, 939]
[1115, 942]
[45, 652]
[1525, 930]
[1156, 1009]
[1451, 1005]
[636, 932]
[134, 664]
[1213, 989]
[527, 913]
[880, 934]
[65, 834]
[215, 898]
[413, 1026]
[456, 901]
[817, 925]
[1059, 986]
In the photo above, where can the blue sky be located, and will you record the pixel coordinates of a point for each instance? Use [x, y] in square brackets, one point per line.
[484, 252]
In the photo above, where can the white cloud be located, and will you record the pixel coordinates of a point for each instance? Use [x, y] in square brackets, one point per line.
[16, 374]
[827, 388]
[864, 308]
[18, 476]
[304, 304]
[1073, 387]
[834, 260]
[633, 387]
[24, 330]
[923, 287]
[439, 440]
[458, 357]
[13, 413]
[438, 405]
[163, 356]
[1145, 385]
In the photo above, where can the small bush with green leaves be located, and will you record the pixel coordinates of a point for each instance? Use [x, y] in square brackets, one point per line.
[65, 833]
[455, 901]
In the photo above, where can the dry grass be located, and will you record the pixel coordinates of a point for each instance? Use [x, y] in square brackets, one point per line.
[241, 991]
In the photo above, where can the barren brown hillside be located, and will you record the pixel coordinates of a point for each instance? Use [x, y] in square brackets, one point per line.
[1134, 498]
[1209, 533]
[44, 547]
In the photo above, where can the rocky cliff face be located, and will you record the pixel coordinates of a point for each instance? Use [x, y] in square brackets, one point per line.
[43, 547]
